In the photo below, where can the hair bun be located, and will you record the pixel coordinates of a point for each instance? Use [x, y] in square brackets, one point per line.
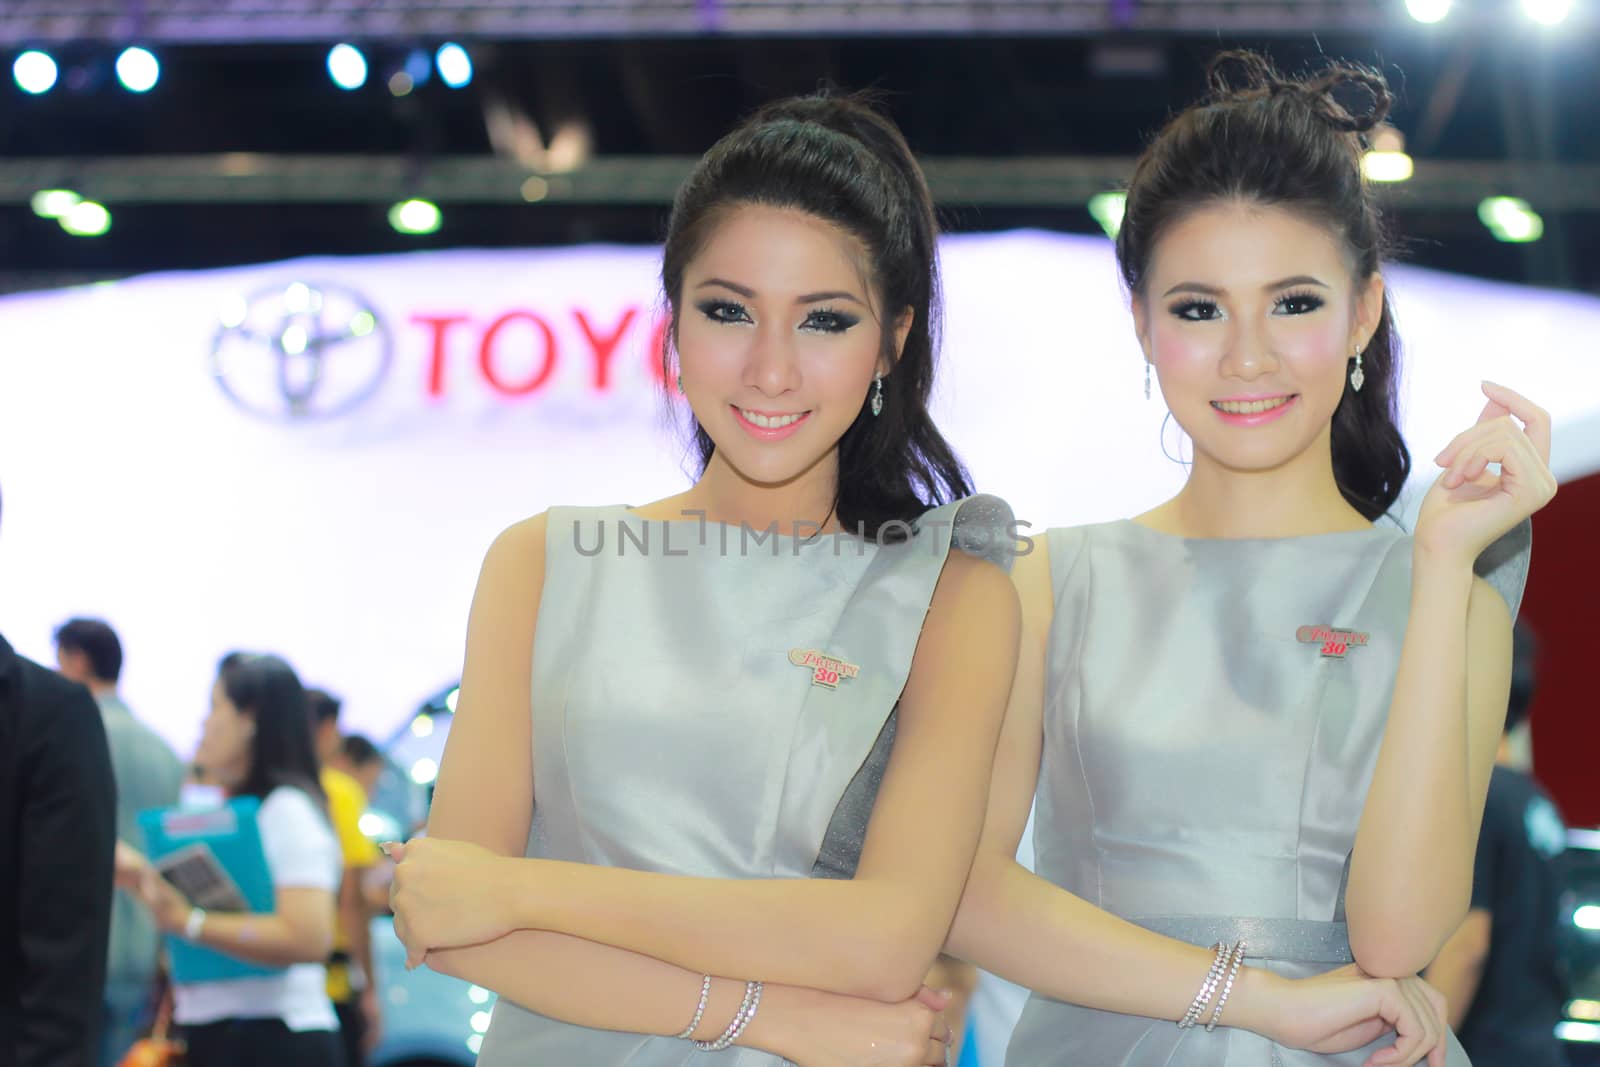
[1241, 74]
[1343, 76]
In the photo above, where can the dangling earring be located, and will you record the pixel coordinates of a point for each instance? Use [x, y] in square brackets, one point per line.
[1147, 379]
[877, 395]
[1358, 377]
[680, 385]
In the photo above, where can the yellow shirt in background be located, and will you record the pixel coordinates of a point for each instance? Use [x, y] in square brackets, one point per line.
[347, 802]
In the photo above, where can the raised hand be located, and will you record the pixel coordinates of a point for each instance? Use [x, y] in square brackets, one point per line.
[1470, 505]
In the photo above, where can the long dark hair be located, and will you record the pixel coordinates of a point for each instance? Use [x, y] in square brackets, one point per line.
[1263, 138]
[281, 751]
[837, 158]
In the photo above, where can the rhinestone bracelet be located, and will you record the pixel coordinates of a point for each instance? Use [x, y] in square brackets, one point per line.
[741, 1019]
[1233, 972]
[1203, 998]
[699, 1011]
[748, 1016]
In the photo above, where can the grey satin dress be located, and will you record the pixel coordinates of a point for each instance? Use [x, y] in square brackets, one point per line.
[1212, 719]
[674, 730]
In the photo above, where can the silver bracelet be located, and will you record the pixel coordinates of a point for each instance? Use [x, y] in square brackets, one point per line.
[1203, 998]
[699, 1011]
[736, 1027]
[755, 1003]
[1233, 972]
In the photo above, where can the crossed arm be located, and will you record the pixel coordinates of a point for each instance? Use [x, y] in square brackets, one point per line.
[625, 950]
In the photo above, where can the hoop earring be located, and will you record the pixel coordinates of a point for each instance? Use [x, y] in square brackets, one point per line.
[1178, 459]
[1358, 377]
[877, 395]
[1147, 379]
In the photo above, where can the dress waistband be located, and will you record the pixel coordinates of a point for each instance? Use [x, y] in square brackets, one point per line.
[1296, 940]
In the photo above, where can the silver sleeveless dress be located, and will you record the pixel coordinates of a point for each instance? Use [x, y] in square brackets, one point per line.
[1212, 720]
[677, 724]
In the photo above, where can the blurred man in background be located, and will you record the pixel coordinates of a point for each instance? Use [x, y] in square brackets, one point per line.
[1501, 970]
[58, 833]
[350, 974]
[148, 774]
[361, 760]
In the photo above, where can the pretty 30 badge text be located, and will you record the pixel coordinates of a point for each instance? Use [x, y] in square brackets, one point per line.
[1335, 643]
[825, 670]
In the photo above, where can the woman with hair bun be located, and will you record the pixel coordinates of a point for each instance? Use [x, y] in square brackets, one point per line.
[1261, 723]
[695, 812]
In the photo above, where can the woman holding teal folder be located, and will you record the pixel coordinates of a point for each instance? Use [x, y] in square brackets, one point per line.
[257, 744]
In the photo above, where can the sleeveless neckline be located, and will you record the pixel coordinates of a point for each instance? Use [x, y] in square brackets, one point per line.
[1316, 538]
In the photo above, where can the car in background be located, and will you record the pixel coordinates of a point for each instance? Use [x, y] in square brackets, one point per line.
[1580, 1030]
[429, 1019]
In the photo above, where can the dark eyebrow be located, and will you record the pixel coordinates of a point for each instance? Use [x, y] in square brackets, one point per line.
[741, 290]
[809, 298]
[1211, 290]
[817, 298]
[1298, 279]
[1192, 287]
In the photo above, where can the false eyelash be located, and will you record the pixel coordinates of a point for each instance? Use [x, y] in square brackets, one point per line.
[1314, 300]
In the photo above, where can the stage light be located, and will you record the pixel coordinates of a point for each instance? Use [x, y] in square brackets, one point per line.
[347, 66]
[1547, 12]
[400, 83]
[1428, 11]
[235, 310]
[1512, 220]
[1387, 161]
[455, 66]
[138, 70]
[35, 72]
[1585, 1033]
[1587, 917]
[419, 67]
[54, 203]
[478, 995]
[424, 771]
[86, 219]
[300, 298]
[422, 726]
[294, 340]
[415, 217]
[535, 189]
[1387, 166]
[1107, 209]
[480, 1021]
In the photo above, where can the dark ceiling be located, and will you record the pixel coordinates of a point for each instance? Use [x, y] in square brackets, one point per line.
[1463, 96]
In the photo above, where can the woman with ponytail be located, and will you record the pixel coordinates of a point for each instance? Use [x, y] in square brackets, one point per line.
[694, 812]
[1261, 724]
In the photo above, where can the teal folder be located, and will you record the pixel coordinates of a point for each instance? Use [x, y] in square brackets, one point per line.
[231, 835]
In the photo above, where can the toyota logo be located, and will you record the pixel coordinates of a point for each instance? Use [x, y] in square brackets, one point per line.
[301, 351]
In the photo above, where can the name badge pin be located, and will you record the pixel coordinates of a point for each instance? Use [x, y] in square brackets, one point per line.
[827, 671]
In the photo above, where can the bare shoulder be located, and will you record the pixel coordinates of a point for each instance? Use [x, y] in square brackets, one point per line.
[971, 589]
[519, 548]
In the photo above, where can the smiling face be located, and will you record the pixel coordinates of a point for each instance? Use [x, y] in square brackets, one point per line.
[779, 336]
[1251, 317]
